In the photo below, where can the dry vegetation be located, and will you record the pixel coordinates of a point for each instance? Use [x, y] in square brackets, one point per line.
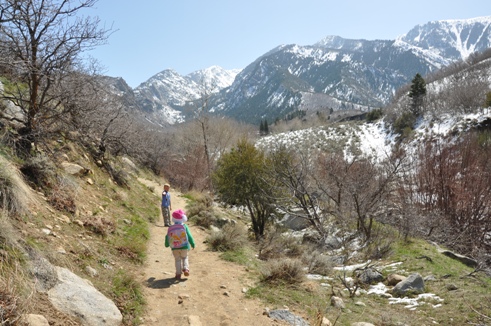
[99, 217]
[107, 231]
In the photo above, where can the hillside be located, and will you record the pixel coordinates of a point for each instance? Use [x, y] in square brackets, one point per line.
[114, 239]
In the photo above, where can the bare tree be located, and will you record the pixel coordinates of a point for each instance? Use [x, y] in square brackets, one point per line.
[184, 162]
[202, 118]
[44, 40]
[467, 89]
[293, 172]
[454, 181]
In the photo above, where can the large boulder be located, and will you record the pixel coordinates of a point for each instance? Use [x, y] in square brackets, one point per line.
[295, 223]
[412, 284]
[74, 295]
[77, 297]
[463, 259]
[394, 279]
[74, 169]
[369, 276]
[286, 315]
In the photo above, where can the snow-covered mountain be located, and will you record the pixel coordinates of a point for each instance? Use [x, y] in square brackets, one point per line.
[332, 74]
[448, 39]
[165, 95]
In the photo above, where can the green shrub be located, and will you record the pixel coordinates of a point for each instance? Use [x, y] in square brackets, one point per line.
[374, 115]
[405, 123]
[283, 271]
[200, 209]
[199, 197]
[204, 219]
[231, 237]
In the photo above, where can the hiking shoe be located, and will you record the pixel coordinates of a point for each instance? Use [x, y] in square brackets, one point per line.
[186, 272]
[178, 276]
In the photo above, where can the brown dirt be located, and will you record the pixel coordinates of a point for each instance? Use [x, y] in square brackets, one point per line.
[211, 295]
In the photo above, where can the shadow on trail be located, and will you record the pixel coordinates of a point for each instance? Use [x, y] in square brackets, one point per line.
[163, 283]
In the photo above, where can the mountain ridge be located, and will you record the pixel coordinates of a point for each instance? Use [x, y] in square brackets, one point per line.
[332, 74]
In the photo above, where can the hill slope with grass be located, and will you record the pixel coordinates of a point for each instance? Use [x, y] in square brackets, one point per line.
[112, 235]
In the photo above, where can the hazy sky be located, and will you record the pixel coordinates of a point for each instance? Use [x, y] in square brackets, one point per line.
[189, 35]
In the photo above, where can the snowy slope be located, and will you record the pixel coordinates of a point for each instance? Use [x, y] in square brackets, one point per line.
[374, 140]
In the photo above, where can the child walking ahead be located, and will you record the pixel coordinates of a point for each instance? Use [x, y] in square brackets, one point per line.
[180, 239]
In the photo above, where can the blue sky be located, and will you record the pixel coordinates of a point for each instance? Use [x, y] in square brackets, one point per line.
[189, 35]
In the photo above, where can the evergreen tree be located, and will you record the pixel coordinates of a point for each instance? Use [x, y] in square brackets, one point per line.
[266, 128]
[487, 104]
[417, 94]
[261, 128]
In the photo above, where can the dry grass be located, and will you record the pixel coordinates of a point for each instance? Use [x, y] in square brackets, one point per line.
[317, 262]
[276, 245]
[62, 195]
[15, 194]
[14, 285]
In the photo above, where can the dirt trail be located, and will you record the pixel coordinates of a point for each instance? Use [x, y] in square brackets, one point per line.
[212, 294]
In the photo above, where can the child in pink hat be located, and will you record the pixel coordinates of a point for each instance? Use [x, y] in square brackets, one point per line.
[180, 239]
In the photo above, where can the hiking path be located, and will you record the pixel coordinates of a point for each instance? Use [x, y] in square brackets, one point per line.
[213, 293]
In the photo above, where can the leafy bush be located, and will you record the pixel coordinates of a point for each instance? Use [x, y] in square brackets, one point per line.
[199, 202]
[283, 271]
[200, 208]
[231, 237]
[199, 197]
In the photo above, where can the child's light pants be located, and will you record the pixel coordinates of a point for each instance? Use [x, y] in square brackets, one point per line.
[182, 262]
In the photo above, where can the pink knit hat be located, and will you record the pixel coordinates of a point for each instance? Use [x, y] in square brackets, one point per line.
[179, 216]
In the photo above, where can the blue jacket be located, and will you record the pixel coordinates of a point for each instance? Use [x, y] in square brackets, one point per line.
[165, 199]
